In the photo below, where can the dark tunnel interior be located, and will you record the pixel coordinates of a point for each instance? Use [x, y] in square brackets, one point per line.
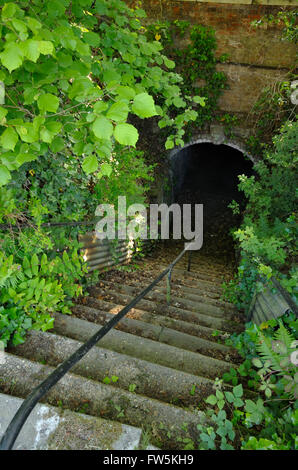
[208, 174]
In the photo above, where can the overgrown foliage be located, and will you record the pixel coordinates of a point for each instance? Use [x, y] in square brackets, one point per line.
[72, 75]
[259, 411]
[275, 104]
[268, 235]
[192, 47]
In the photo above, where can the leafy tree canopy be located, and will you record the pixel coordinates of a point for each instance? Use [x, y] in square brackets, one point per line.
[74, 71]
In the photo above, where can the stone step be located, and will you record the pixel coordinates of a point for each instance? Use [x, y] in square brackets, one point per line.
[143, 348]
[120, 301]
[146, 277]
[201, 270]
[202, 318]
[156, 332]
[185, 302]
[149, 379]
[212, 280]
[191, 280]
[53, 428]
[167, 424]
[181, 291]
[206, 267]
[138, 278]
[142, 315]
[207, 262]
[196, 267]
[201, 297]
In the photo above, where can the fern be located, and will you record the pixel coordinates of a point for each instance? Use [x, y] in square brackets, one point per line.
[283, 335]
[276, 357]
[14, 279]
[265, 350]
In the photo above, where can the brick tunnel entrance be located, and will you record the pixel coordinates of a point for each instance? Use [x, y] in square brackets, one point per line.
[207, 174]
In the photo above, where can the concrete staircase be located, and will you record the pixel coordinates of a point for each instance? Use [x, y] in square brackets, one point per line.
[149, 376]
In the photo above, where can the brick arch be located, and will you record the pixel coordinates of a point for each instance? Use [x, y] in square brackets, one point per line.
[217, 137]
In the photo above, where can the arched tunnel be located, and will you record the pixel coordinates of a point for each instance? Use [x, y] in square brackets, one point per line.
[207, 174]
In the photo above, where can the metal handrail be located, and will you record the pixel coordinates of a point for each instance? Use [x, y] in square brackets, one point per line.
[49, 224]
[29, 403]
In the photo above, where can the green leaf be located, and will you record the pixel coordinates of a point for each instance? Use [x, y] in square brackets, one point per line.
[5, 175]
[100, 106]
[21, 27]
[12, 56]
[125, 92]
[257, 362]
[200, 100]
[48, 102]
[179, 102]
[143, 106]
[25, 157]
[9, 138]
[44, 266]
[90, 164]
[126, 134]
[34, 264]
[106, 169]
[169, 144]
[238, 402]
[169, 63]
[3, 113]
[45, 47]
[93, 39]
[46, 136]
[57, 144]
[33, 24]
[30, 49]
[238, 391]
[229, 397]
[118, 112]
[26, 263]
[212, 400]
[221, 404]
[53, 126]
[102, 128]
[8, 11]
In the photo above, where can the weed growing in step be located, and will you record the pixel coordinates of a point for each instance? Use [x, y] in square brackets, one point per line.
[264, 413]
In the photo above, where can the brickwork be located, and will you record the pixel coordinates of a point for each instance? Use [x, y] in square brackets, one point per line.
[256, 56]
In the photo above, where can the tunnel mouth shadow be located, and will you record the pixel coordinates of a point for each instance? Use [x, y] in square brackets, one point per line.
[207, 174]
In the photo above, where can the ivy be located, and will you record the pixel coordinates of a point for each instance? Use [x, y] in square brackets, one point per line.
[197, 65]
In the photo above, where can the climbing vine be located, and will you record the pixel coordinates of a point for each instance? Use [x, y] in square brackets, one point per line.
[196, 63]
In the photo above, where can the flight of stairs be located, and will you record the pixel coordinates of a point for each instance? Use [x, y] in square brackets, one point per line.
[150, 373]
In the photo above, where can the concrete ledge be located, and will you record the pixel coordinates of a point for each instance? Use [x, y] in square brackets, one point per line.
[49, 428]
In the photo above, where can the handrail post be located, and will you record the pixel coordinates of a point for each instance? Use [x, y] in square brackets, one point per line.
[169, 276]
[189, 260]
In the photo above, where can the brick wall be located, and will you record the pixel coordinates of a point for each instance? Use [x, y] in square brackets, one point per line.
[257, 57]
